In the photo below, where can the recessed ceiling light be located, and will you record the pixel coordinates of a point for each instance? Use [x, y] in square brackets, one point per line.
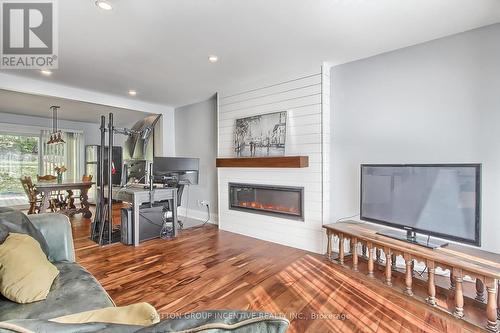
[103, 4]
[213, 58]
[46, 72]
[132, 92]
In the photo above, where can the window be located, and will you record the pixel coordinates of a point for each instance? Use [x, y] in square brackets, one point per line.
[69, 154]
[18, 158]
[24, 152]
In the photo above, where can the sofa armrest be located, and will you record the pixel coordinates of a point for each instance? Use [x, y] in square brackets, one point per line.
[56, 229]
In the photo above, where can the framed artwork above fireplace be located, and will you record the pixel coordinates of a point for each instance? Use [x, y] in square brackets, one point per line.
[261, 135]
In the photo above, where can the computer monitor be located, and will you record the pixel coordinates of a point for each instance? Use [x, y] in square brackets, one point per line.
[181, 169]
[136, 171]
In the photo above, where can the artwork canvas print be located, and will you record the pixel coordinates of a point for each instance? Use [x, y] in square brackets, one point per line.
[262, 135]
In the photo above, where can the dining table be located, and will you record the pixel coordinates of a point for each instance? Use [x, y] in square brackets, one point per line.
[47, 188]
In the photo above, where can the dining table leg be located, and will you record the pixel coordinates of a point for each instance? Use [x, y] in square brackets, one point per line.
[45, 200]
[84, 200]
[70, 200]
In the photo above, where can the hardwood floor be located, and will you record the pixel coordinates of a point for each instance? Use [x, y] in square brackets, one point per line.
[205, 268]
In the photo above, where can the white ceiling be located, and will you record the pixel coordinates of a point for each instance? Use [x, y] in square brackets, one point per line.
[38, 105]
[160, 47]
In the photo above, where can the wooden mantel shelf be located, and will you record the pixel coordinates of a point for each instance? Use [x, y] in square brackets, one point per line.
[263, 162]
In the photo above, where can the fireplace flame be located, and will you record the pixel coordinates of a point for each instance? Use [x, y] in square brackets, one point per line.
[269, 207]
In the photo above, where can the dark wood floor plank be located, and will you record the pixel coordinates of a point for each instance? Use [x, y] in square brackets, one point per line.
[205, 268]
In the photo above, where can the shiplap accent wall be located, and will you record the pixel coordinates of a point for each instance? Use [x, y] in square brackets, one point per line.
[307, 133]
[325, 140]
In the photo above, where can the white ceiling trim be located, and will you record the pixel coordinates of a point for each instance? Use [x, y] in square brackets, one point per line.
[16, 129]
[44, 88]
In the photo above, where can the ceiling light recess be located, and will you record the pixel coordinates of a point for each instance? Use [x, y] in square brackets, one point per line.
[213, 58]
[46, 72]
[103, 4]
[132, 92]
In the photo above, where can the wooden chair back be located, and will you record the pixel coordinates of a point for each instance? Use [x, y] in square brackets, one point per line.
[46, 178]
[29, 188]
[86, 178]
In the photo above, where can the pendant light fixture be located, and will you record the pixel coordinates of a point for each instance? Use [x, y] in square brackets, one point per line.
[56, 135]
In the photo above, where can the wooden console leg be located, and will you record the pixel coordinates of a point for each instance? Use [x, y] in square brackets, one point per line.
[491, 306]
[431, 299]
[452, 280]
[355, 254]
[341, 249]
[328, 244]
[498, 300]
[479, 290]
[393, 262]
[370, 261]
[459, 295]
[388, 264]
[408, 278]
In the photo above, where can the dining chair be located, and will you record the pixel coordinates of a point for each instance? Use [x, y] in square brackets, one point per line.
[86, 178]
[35, 199]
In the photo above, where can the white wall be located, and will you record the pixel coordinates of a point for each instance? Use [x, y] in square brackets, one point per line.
[301, 97]
[436, 102]
[165, 137]
[196, 136]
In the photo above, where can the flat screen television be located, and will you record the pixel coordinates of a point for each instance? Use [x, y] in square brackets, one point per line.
[441, 200]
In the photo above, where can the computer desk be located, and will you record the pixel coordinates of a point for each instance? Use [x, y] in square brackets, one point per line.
[137, 195]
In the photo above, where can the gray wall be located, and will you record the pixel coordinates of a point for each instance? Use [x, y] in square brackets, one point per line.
[436, 102]
[196, 136]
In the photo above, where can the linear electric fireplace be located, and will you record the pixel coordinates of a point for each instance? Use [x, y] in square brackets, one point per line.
[280, 201]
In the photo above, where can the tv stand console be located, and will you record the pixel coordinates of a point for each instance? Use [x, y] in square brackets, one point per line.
[461, 261]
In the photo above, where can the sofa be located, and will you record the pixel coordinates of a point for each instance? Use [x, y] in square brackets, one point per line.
[75, 290]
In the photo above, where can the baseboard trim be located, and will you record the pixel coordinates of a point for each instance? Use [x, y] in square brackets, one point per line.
[198, 215]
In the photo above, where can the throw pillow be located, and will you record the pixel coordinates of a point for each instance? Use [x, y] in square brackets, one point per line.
[19, 223]
[25, 273]
[140, 314]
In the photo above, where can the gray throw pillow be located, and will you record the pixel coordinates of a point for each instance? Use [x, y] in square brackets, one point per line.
[4, 232]
[17, 222]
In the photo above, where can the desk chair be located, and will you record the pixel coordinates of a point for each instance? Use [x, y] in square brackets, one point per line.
[180, 189]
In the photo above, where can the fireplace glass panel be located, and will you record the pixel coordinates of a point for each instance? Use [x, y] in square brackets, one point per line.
[280, 201]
